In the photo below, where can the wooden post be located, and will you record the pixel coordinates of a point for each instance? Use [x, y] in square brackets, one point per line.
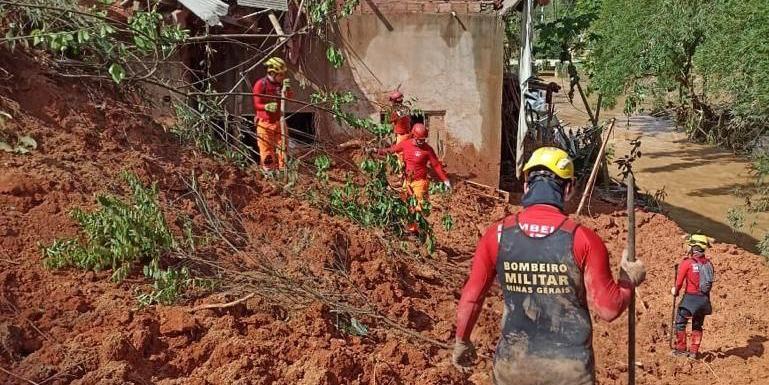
[673, 316]
[276, 24]
[631, 258]
[582, 95]
[594, 172]
[283, 153]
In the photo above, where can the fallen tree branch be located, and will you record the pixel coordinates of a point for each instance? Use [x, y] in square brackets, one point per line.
[354, 143]
[222, 305]
[18, 377]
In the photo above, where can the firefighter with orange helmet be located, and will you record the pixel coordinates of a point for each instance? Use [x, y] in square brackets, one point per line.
[417, 154]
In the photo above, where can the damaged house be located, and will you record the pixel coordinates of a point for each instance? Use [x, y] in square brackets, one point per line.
[445, 55]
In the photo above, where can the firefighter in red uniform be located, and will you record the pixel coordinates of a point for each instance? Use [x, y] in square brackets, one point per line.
[399, 117]
[417, 154]
[550, 269]
[267, 94]
[696, 272]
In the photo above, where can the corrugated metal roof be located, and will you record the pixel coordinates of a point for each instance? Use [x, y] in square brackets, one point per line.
[278, 5]
[208, 10]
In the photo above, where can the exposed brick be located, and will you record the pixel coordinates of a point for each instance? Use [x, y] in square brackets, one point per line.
[386, 7]
[459, 8]
[474, 7]
[414, 7]
[399, 7]
[444, 7]
[487, 6]
[429, 7]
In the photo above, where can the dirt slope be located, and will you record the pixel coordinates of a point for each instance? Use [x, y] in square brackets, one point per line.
[70, 327]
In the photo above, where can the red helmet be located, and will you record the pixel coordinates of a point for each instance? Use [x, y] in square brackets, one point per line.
[418, 131]
[396, 96]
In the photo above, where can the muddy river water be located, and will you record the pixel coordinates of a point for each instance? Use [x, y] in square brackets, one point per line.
[698, 180]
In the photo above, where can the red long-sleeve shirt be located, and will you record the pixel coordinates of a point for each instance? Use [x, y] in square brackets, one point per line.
[606, 297]
[416, 159]
[267, 91]
[687, 274]
[401, 123]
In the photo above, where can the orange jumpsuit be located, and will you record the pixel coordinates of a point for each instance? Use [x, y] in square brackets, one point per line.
[416, 159]
[269, 136]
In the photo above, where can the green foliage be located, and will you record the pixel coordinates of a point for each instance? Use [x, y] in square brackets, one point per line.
[734, 59]
[647, 44]
[335, 57]
[735, 217]
[107, 47]
[567, 34]
[625, 163]
[655, 202]
[763, 246]
[117, 72]
[349, 325]
[322, 165]
[756, 198]
[437, 188]
[200, 125]
[322, 12]
[170, 284]
[337, 103]
[119, 235]
[447, 221]
[374, 204]
[707, 58]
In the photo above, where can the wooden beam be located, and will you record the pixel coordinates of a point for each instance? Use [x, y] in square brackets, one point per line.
[276, 25]
[379, 14]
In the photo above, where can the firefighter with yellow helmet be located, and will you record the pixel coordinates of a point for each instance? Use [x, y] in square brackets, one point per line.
[695, 277]
[549, 269]
[267, 96]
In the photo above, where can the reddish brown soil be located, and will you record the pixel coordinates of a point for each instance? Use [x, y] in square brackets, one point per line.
[72, 327]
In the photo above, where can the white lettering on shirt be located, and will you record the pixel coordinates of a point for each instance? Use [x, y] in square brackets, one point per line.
[537, 230]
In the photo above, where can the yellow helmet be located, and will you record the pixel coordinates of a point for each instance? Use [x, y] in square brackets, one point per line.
[553, 159]
[275, 64]
[699, 240]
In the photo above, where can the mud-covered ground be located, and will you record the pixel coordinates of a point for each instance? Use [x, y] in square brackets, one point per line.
[73, 327]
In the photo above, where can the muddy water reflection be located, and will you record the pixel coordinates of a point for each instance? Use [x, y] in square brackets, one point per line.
[699, 180]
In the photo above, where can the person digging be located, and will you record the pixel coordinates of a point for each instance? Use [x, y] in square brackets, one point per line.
[417, 154]
[695, 275]
[550, 270]
[267, 95]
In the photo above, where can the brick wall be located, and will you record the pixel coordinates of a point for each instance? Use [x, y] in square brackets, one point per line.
[426, 6]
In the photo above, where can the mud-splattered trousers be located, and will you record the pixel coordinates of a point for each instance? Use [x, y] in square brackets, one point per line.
[695, 304]
[695, 307]
[269, 137]
[546, 330]
[607, 297]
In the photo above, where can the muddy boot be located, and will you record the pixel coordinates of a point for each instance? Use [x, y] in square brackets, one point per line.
[694, 349]
[680, 348]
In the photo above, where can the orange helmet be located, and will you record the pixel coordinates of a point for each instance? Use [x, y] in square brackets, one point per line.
[396, 96]
[418, 131]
